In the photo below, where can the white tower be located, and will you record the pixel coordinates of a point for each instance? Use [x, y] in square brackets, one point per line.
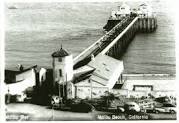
[62, 66]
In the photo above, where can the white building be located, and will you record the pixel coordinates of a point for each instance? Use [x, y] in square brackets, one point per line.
[62, 70]
[158, 85]
[89, 81]
[145, 9]
[18, 81]
[62, 66]
[122, 11]
[23, 80]
[101, 75]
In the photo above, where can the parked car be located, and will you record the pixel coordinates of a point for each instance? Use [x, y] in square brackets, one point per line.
[82, 107]
[166, 108]
[146, 105]
[21, 97]
[120, 109]
[55, 101]
[18, 98]
[131, 107]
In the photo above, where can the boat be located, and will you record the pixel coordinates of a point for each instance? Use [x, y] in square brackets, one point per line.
[12, 7]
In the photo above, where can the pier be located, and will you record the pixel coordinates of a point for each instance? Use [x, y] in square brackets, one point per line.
[115, 42]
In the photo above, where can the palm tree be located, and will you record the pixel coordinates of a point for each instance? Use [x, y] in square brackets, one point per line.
[108, 97]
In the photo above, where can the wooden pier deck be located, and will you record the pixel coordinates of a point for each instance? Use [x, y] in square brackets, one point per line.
[115, 42]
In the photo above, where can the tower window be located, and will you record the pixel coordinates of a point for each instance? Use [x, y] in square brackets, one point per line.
[60, 59]
[60, 72]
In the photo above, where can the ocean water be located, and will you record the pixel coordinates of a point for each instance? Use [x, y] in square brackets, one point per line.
[35, 30]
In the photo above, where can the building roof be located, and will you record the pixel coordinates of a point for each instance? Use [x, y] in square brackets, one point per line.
[148, 76]
[143, 4]
[105, 68]
[60, 53]
[82, 70]
[106, 71]
[10, 75]
[104, 65]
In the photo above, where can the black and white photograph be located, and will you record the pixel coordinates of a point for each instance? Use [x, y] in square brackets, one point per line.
[90, 61]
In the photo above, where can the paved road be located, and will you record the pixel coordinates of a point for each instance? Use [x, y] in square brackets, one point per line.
[36, 112]
[163, 116]
[42, 113]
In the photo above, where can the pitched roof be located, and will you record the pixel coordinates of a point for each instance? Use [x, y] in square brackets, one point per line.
[60, 53]
[106, 71]
[143, 4]
[105, 68]
[105, 65]
[82, 70]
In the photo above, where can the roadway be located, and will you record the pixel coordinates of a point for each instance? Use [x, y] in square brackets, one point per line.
[31, 112]
[23, 111]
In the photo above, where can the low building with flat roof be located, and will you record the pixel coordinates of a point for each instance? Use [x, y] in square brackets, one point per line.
[143, 84]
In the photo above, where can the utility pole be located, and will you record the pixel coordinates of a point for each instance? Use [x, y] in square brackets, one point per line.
[63, 89]
[52, 112]
[60, 94]
[66, 85]
[91, 88]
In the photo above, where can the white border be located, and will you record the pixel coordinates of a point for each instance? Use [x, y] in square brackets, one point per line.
[2, 64]
[2, 61]
[71, 0]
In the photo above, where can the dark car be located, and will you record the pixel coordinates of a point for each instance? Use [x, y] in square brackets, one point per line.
[82, 107]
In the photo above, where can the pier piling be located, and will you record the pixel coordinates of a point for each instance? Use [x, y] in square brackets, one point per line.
[115, 42]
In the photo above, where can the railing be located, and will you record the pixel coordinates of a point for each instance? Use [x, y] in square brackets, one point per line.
[118, 37]
[97, 44]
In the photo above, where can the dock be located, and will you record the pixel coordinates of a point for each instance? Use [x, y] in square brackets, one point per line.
[115, 42]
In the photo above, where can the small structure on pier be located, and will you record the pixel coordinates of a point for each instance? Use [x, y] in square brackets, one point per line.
[145, 9]
[146, 17]
[122, 11]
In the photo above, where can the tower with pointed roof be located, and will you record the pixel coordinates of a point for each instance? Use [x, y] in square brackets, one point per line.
[62, 67]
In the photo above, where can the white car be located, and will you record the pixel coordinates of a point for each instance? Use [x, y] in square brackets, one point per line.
[166, 108]
[55, 101]
[120, 109]
[131, 107]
